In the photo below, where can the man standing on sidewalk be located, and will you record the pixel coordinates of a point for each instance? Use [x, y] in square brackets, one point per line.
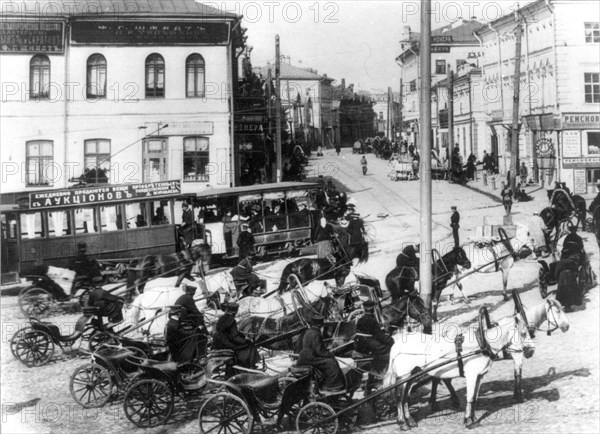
[454, 224]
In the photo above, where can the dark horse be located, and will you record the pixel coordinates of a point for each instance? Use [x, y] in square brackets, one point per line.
[443, 270]
[175, 264]
[566, 207]
[282, 333]
[308, 269]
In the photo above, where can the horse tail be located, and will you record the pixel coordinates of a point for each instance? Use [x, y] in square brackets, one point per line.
[283, 282]
[364, 252]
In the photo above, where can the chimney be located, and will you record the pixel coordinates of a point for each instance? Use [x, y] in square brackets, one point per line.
[473, 18]
[405, 33]
[324, 75]
[343, 83]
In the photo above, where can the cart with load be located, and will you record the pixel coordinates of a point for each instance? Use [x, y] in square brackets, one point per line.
[400, 168]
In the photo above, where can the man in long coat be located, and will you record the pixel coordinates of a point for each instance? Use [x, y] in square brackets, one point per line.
[371, 339]
[245, 280]
[407, 264]
[185, 328]
[313, 353]
[455, 224]
[228, 337]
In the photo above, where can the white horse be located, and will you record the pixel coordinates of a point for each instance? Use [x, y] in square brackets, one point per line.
[496, 255]
[161, 293]
[549, 311]
[437, 353]
[539, 234]
[278, 306]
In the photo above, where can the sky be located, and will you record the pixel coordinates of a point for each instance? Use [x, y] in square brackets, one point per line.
[355, 40]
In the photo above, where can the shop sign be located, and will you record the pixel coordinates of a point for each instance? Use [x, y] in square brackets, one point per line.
[441, 39]
[440, 48]
[580, 184]
[581, 162]
[571, 143]
[188, 129]
[154, 33]
[105, 194]
[31, 37]
[248, 127]
[580, 121]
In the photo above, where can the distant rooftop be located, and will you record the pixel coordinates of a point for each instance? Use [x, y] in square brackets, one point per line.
[123, 8]
[290, 72]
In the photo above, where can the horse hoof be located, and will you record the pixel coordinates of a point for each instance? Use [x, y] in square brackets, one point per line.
[403, 426]
[412, 423]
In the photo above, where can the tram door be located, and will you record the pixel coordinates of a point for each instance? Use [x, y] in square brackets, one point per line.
[10, 243]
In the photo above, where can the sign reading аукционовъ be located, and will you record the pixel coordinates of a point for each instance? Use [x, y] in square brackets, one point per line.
[109, 193]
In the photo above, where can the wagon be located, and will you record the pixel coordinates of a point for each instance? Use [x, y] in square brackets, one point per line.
[399, 168]
[34, 345]
[109, 372]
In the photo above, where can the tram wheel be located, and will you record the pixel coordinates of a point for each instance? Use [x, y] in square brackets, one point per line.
[227, 412]
[310, 417]
[91, 385]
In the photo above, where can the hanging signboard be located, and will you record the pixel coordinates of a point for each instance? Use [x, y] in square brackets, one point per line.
[109, 193]
[580, 185]
[31, 36]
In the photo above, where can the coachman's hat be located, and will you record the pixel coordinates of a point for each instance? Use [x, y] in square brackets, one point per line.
[369, 306]
[232, 308]
[190, 288]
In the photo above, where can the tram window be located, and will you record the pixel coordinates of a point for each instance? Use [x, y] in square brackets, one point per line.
[9, 226]
[136, 215]
[161, 213]
[111, 218]
[85, 221]
[31, 225]
[59, 223]
[301, 217]
[275, 218]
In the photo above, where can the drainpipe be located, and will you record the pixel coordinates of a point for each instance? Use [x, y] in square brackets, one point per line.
[66, 43]
[500, 67]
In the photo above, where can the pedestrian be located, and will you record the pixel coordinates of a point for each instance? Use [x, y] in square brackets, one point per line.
[363, 162]
[471, 166]
[523, 173]
[455, 224]
[415, 164]
[246, 242]
[187, 224]
[506, 194]
[329, 374]
[337, 149]
[323, 239]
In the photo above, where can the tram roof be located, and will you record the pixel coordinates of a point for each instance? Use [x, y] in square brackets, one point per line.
[259, 188]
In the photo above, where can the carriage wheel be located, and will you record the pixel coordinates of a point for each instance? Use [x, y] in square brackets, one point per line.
[34, 348]
[225, 412]
[14, 342]
[543, 283]
[310, 416]
[148, 403]
[91, 385]
[35, 302]
[98, 338]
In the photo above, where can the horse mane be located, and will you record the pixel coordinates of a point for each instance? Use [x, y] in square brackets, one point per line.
[537, 314]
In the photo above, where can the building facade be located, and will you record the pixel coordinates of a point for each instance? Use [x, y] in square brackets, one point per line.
[453, 46]
[559, 85]
[115, 94]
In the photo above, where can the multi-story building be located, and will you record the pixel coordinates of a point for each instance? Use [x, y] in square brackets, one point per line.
[453, 45]
[308, 100]
[469, 117]
[141, 90]
[387, 111]
[559, 107]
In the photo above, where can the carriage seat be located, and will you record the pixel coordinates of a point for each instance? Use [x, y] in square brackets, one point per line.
[263, 387]
[54, 331]
[160, 365]
[116, 354]
[221, 354]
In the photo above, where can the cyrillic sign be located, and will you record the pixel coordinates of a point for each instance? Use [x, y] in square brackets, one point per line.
[109, 193]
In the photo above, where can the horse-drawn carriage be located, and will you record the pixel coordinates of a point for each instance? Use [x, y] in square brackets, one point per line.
[400, 168]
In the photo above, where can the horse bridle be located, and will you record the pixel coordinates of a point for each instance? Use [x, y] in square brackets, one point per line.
[554, 323]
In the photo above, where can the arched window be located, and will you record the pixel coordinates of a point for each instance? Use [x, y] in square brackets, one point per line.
[155, 76]
[39, 76]
[96, 76]
[194, 69]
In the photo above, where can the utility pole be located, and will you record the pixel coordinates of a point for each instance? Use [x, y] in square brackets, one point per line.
[269, 103]
[426, 262]
[450, 147]
[278, 107]
[514, 142]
